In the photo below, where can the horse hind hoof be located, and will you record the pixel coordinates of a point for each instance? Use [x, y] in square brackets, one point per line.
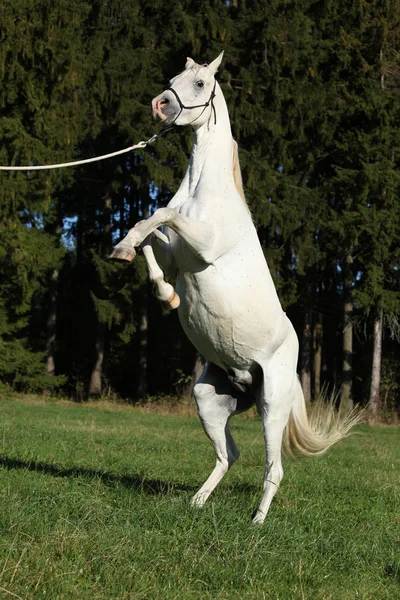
[121, 254]
[173, 302]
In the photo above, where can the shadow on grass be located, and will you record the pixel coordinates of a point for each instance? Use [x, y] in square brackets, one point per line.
[134, 481]
[393, 570]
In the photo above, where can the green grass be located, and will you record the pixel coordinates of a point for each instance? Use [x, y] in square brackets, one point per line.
[94, 504]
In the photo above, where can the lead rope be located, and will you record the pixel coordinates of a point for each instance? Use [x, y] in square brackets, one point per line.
[141, 145]
[75, 163]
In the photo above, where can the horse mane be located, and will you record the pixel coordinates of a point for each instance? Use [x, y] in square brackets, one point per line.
[237, 174]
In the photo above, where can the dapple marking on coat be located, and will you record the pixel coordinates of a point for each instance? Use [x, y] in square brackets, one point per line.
[228, 305]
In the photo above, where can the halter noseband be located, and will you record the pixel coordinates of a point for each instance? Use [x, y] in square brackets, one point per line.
[204, 106]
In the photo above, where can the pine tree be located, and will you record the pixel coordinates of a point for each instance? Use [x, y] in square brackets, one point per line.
[33, 129]
[312, 90]
[359, 171]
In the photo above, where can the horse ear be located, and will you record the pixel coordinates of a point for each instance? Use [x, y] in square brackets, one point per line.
[213, 67]
[189, 62]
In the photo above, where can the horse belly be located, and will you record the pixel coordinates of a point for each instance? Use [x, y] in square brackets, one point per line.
[225, 328]
[204, 314]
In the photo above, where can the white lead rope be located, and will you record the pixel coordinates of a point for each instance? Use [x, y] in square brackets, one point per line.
[82, 162]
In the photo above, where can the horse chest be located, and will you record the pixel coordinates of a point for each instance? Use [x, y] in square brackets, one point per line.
[192, 208]
[185, 259]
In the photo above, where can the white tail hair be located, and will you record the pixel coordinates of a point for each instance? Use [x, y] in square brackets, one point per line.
[311, 435]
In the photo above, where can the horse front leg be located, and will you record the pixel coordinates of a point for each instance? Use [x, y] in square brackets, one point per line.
[125, 249]
[164, 291]
[199, 235]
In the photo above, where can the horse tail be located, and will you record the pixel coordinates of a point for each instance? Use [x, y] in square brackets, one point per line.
[311, 435]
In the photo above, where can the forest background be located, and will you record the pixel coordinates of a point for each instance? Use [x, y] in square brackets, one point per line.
[313, 89]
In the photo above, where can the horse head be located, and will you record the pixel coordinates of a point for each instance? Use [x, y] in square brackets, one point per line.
[189, 99]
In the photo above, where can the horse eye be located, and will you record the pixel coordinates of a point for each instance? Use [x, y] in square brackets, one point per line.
[200, 84]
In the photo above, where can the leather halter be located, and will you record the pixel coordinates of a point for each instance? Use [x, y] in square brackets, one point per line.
[204, 106]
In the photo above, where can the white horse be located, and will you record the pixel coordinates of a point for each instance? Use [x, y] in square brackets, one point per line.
[229, 307]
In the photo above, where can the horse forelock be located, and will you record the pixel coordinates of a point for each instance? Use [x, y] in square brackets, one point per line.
[196, 68]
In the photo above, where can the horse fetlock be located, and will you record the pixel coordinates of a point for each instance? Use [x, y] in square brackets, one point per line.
[166, 294]
[173, 302]
[199, 499]
[259, 518]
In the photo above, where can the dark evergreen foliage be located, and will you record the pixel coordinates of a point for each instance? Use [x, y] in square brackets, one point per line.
[313, 91]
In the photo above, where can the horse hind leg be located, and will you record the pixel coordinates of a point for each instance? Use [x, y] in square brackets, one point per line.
[216, 402]
[274, 405]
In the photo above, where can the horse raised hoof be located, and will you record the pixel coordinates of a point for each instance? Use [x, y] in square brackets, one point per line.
[121, 254]
[173, 302]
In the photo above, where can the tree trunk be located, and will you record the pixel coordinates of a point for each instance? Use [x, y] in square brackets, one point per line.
[122, 228]
[305, 357]
[55, 230]
[143, 345]
[196, 372]
[51, 324]
[374, 399]
[95, 384]
[346, 399]
[142, 387]
[318, 336]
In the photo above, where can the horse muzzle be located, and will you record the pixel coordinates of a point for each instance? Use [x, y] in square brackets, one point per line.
[163, 107]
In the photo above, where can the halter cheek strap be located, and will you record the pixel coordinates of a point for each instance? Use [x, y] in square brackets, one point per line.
[204, 106]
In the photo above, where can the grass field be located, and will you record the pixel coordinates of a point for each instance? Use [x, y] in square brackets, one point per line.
[94, 504]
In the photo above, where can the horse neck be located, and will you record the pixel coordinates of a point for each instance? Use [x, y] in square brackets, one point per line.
[212, 150]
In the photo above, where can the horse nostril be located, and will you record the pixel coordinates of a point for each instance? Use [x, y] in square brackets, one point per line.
[164, 102]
